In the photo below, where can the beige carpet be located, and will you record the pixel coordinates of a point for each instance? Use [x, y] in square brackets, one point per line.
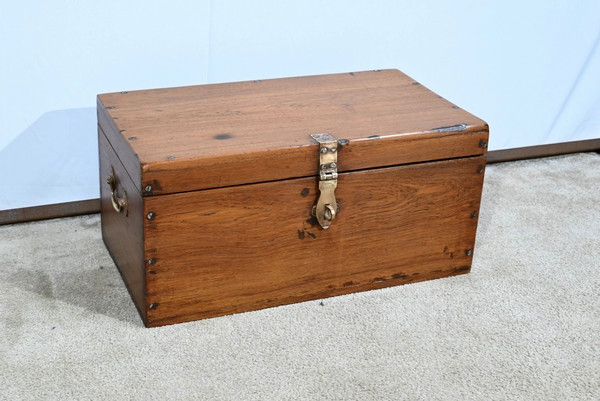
[524, 325]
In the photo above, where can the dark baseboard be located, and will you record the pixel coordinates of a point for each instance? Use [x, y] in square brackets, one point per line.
[49, 211]
[534, 152]
[93, 205]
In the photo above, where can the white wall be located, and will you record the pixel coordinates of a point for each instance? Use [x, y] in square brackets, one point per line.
[530, 69]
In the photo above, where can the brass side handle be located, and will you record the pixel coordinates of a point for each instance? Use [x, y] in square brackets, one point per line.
[326, 208]
[118, 202]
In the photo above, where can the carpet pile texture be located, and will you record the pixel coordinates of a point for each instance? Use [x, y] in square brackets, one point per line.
[523, 325]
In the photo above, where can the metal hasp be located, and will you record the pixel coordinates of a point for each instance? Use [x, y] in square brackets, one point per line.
[326, 208]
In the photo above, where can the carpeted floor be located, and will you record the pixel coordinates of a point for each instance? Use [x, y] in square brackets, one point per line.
[524, 325]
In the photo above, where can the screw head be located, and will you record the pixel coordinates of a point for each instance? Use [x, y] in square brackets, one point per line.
[474, 214]
[150, 215]
[469, 252]
[151, 261]
[323, 150]
[148, 188]
[482, 144]
[480, 170]
[333, 165]
[333, 150]
[152, 305]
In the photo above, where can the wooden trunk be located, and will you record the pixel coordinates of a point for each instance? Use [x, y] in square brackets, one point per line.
[208, 211]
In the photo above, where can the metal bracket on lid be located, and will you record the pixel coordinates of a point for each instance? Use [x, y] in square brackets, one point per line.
[326, 208]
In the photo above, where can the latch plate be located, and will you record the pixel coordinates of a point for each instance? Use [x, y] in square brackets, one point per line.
[326, 208]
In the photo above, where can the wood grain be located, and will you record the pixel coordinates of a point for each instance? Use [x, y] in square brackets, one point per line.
[123, 235]
[242, 248]
[90, 206]
[258, 131]
[120, 144]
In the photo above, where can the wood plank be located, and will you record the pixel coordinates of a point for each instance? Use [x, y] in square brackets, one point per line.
[76, 208]
[123, 232]
[238, 169]
[255, 246]
[120, 142]
[210, 136]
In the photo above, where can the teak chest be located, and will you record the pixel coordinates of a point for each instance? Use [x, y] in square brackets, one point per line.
[227, 198]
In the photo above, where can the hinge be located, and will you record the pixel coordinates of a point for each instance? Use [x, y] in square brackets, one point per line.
[326, 208]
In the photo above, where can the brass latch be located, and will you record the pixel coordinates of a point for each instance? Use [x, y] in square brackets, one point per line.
[326, 208]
